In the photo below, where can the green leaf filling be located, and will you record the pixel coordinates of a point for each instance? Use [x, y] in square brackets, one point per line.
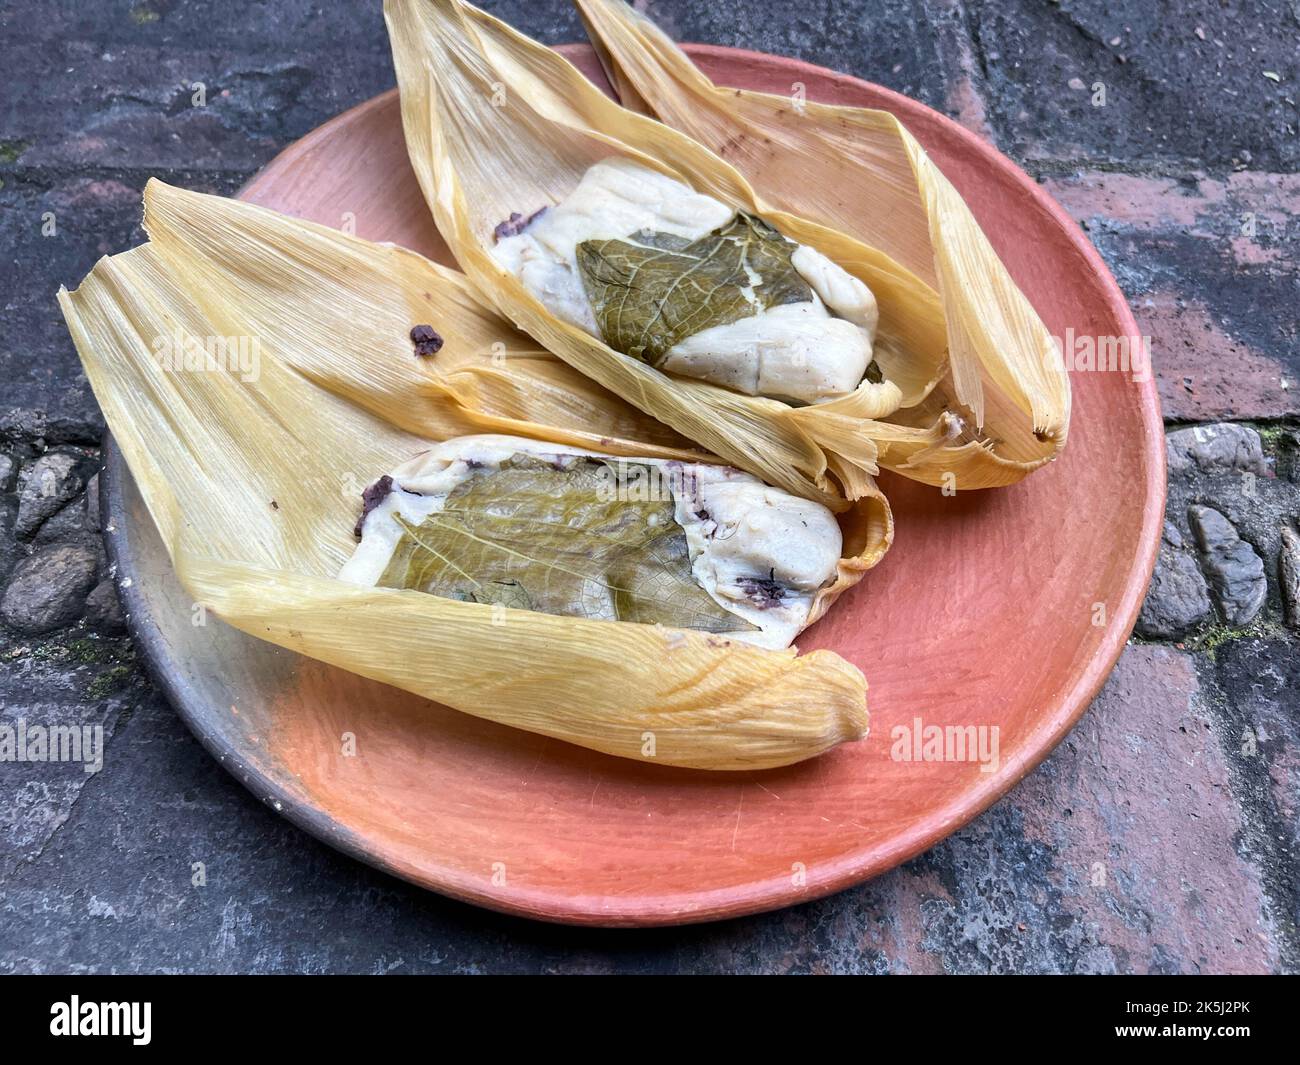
[655, 289]
[579, 538]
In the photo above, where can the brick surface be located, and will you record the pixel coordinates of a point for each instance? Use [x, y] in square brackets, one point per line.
[1211, 266]
[1183, 81]
[1162, 836]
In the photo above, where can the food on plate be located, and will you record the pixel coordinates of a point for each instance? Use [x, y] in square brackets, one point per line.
[795, 287]
[519, 523]
[667, 643]
[676, 278]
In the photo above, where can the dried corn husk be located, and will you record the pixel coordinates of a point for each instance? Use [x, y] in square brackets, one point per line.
[252, 474]
[496, 124]
[862, 172]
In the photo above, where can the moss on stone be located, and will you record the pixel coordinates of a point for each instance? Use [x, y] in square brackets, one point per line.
[77, 646]
[1275, 436]
[108, 682]
[1209, 639]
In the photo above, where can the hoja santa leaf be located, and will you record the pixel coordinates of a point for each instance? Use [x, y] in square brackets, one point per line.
[654, 290]
[576, 539]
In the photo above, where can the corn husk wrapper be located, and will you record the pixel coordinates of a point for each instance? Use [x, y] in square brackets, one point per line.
[861, 171]
[251, 471]
[496, 123]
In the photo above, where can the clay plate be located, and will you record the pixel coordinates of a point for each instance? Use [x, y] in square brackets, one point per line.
[984, 613]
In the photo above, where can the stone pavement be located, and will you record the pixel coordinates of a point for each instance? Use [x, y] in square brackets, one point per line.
[1160, 837]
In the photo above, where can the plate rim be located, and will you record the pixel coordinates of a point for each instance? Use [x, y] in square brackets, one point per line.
[758, 896]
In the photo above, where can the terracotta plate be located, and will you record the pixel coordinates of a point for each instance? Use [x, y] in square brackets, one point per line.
[1001, 609]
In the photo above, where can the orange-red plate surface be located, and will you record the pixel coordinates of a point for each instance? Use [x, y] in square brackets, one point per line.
[1003, 609]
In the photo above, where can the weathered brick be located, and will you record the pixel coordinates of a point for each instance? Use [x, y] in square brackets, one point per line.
[1260, 680]
[891, 42]
[1212, 270]
[1171, 93]
[1139, 810]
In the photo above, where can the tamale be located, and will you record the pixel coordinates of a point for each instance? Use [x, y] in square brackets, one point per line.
[251, 473]
[499, 127]
[514, 522]
[1003, 408]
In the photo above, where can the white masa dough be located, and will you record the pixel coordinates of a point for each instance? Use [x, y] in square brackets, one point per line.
[806, 352]
[737, 528]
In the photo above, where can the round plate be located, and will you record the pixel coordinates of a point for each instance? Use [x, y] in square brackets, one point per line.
[1004, 609]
